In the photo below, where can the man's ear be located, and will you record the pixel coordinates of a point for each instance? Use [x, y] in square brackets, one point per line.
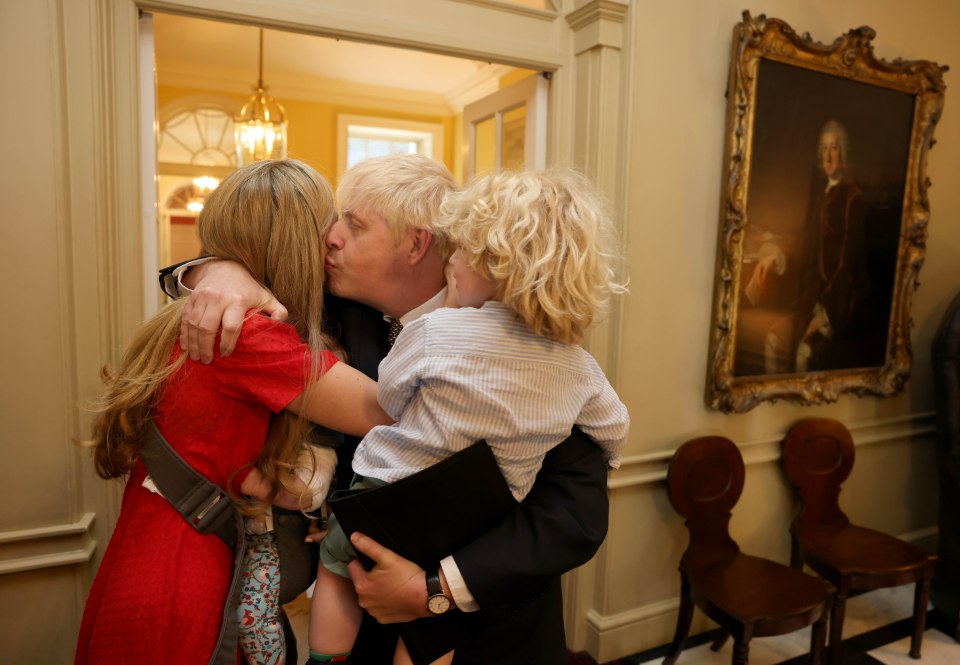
[421, 241]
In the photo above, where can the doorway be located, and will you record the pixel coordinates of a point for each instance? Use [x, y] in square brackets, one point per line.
[341, 99]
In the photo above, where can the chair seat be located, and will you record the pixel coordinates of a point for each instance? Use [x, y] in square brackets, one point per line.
[775, 598]
[818, 456]
[872, 559]
[746, 595]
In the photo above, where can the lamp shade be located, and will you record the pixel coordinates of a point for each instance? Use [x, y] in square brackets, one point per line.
[260, 127]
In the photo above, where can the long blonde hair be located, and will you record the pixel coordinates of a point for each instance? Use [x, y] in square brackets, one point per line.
[271, 217]
[545, 239]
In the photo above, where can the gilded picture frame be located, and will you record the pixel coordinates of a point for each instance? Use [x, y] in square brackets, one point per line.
[823, 220]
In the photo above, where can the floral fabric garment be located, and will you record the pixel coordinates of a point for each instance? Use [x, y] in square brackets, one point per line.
[261, 633]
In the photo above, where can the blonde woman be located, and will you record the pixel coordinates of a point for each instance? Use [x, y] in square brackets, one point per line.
[532, 274]
[160, 592]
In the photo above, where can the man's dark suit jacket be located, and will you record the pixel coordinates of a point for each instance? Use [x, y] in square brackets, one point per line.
[514, 570]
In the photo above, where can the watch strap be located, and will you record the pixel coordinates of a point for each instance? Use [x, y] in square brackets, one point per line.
[434, 588]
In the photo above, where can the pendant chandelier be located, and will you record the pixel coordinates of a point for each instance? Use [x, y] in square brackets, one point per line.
[260, 128]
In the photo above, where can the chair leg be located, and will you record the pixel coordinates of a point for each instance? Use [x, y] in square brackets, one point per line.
[741, 650]
[684, 618]
[921, 598]
[720, 640]
[818, 638]
[836, 626]
[795, 559]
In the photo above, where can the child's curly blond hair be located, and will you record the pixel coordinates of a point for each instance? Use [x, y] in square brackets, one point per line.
[545, 240]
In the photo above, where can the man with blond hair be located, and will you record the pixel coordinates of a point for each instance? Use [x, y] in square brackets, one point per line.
[385, 265]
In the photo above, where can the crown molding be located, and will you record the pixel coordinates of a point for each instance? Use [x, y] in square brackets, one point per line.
[223, 80]
[485, 82]
[598, 23]
[597, 10]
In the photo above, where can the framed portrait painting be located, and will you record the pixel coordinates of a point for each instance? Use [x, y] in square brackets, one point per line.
[823, 217]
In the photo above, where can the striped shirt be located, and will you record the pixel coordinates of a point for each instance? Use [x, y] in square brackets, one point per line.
[456, 376]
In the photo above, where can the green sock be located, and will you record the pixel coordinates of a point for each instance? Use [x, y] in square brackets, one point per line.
[329, 657]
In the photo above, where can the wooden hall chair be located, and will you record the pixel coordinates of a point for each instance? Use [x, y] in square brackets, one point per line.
[818, 455]
[746, 595]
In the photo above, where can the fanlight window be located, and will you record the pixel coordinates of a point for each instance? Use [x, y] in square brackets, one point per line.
[198, 136]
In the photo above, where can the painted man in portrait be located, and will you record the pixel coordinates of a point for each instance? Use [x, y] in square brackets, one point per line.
[828, 263]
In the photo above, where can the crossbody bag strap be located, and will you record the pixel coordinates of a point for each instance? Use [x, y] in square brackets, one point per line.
[208, 509]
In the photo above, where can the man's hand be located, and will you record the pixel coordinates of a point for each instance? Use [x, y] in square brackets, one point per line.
[819, 323]
[224, 292]
[395, 591]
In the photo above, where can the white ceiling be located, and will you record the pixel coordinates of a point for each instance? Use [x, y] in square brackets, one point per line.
[198, 48]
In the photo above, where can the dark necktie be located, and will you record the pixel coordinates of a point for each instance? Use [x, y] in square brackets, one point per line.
[395, 328]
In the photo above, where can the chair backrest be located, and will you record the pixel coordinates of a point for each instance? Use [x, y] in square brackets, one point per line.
[704, 482]
[818, 456]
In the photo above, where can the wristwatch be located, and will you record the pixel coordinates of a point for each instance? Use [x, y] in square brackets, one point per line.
[437, 602]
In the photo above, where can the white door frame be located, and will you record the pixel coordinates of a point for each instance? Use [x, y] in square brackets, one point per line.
[532, 93]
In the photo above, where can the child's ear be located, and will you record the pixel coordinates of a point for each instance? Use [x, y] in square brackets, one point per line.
[421, 241]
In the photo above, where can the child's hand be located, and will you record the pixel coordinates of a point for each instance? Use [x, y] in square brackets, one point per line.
[314, 533]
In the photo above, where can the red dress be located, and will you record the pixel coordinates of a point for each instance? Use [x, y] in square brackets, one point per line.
[159, 593]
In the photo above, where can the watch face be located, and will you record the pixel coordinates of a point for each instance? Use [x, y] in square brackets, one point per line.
[438, 604]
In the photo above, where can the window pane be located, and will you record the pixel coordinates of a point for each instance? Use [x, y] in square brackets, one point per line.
[377, 148]
[369, 139]
[212, 157]
[356, 151]
[402, 147]
[201, 136]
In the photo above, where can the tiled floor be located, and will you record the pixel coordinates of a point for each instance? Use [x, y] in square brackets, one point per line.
[876, 630]
[299, 614]
[938, 649]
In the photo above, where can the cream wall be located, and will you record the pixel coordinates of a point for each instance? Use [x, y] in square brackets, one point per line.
[679, 54]
[625, 75]
[53, 512]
